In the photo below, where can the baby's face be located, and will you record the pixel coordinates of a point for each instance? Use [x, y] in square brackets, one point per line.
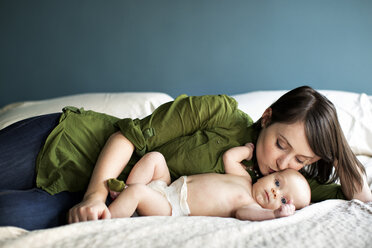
[280, 188]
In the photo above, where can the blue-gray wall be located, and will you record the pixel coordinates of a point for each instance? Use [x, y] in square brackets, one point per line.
[51, 48]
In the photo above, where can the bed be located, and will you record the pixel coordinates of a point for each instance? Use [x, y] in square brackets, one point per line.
[331, 223]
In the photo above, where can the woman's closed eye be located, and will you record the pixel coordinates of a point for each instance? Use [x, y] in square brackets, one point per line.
[282, 147]
[300, 161]
[279, 145]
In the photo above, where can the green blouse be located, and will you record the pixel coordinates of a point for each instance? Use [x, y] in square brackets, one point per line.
[191, 132]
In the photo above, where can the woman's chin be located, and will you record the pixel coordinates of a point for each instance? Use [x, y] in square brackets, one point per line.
[265, 172]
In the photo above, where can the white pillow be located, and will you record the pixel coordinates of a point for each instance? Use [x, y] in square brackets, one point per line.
[354, 113]
[254, 103]
[354, 110]
[128, 104]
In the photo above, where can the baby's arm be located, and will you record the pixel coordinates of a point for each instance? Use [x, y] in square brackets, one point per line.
[256, 212]
[233, 157]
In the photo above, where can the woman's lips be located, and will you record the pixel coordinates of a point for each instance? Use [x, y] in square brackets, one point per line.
[271, 171]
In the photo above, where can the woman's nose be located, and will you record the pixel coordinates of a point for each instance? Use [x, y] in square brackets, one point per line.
[283, 163]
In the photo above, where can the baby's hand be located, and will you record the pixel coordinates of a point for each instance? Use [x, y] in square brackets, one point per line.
[285, 210]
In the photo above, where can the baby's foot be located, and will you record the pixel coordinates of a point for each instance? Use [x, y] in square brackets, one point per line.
[115, 187]
[114, 194]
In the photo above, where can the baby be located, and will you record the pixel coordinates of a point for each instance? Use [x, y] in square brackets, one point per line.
[225, 195]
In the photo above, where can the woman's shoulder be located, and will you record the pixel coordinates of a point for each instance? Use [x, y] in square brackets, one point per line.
[207, 99]
[321, 192]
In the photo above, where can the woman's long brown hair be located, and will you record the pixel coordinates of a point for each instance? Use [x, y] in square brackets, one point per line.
[324, 135]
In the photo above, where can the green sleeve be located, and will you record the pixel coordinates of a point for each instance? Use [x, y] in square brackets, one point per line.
[182, 117]
[321, 192]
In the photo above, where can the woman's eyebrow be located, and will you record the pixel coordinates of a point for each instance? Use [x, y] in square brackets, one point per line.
[289, 144]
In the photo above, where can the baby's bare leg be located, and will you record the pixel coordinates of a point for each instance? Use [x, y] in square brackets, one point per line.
[142, 198]
[152, 166]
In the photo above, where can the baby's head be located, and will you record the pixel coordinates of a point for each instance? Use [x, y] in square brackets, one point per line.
[280, 187]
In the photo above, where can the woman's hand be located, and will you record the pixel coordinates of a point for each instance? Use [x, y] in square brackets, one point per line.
[111, 162]
[88, 209]
[364, 194]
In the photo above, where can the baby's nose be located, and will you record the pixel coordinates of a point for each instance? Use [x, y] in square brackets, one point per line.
[274, 192]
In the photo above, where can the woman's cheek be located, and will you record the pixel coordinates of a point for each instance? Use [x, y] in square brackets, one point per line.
[269, 155]
[298, 167]
[262, 164]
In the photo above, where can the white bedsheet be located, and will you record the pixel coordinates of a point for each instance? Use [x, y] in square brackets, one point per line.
[332, 223]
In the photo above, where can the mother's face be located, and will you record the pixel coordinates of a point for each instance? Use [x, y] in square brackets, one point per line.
[281, 146]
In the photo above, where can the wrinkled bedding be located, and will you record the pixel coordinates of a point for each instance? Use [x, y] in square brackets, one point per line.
[332, 223]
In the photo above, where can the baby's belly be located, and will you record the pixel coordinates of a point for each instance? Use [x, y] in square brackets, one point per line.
[214, 199]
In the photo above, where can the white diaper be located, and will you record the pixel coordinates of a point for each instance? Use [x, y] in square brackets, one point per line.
[176, 194]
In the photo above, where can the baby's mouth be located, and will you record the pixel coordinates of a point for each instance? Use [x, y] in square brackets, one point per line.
[267, 196]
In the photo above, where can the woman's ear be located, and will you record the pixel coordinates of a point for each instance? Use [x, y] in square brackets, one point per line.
[266, 117]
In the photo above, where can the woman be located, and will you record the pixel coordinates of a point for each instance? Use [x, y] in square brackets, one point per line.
[300, 131]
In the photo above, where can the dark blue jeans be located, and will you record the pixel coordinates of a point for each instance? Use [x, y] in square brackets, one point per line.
[21, 203]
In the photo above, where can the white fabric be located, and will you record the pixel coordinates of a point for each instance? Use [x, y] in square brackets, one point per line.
[332, 223]
[354, 110]
[131, 105]
[175, 193]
